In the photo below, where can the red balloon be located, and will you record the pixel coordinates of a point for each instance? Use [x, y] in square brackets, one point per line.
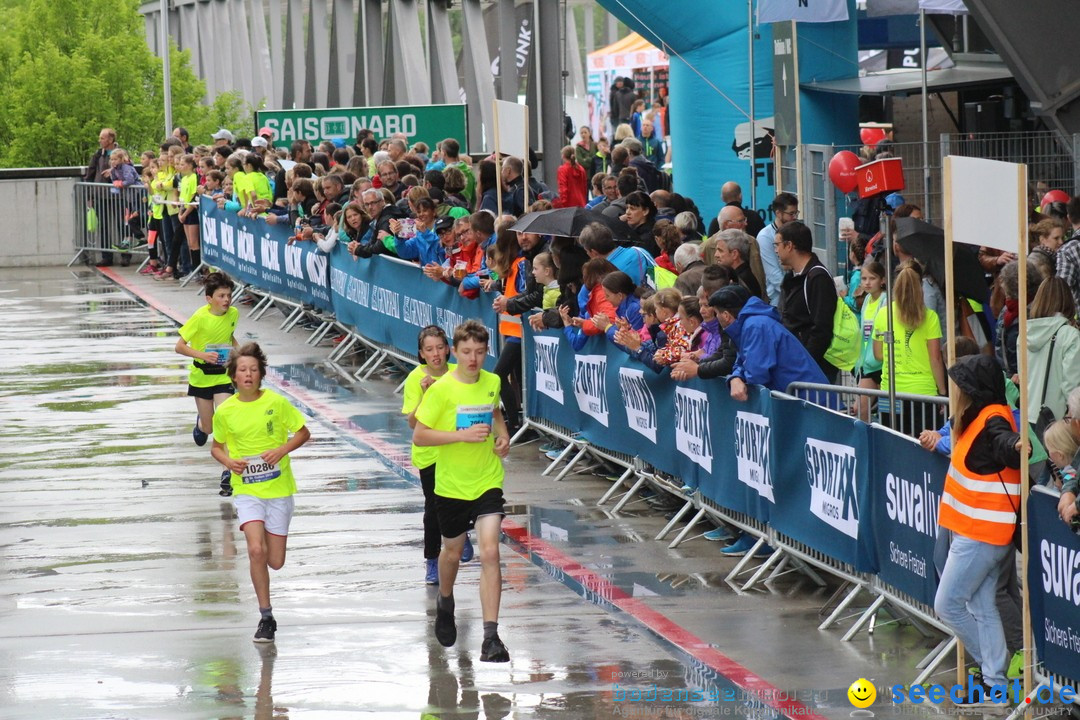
[1055, 196]
[871, 136]
[842, 170]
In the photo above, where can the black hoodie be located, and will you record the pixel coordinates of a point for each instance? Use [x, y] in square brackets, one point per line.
[994, 449]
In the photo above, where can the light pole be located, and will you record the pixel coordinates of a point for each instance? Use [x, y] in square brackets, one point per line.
[166, 71]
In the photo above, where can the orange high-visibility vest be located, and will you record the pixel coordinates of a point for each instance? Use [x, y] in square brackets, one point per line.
[507, 328]
[980, 507]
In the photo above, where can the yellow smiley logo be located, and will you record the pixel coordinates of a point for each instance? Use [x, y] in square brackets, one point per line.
[861, 693]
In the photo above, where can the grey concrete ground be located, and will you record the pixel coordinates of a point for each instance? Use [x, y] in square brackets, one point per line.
[124, 589]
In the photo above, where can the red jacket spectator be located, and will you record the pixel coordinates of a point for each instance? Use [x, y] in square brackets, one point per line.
[573, 184]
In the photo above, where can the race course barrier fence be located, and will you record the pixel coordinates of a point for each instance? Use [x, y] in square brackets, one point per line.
[829, 492]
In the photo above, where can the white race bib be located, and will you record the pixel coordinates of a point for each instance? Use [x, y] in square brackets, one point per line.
[258, 470]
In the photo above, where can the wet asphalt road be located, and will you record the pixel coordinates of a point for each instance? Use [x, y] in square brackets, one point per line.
[124, 589]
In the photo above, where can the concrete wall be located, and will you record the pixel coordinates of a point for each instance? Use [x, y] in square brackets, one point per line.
[42, 229]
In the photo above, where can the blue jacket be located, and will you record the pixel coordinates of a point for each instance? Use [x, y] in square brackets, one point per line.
[633, 261]
[425, 247]
[768, 354]
[630, 308]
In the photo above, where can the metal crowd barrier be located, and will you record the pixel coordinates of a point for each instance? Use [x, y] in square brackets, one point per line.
[1045, 678]
[913, 411]
[109, 221]
[912, 414]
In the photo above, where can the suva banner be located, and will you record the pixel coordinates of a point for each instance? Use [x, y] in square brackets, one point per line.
[419, 123]
[1054, 580]
[254, 252]
[905, 519]
[389, 300]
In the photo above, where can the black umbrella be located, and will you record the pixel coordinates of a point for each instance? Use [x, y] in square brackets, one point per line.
[926, 243]
[568, 222]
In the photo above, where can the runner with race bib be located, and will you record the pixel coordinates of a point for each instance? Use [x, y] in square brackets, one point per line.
[251, 439]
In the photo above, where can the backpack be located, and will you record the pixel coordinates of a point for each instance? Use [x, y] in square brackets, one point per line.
[843, 352]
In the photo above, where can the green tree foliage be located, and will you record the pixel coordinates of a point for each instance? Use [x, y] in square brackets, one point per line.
[71, 67]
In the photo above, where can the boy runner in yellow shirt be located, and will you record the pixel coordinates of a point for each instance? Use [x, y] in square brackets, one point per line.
[207, 337]
[460, 416]
[251, 439]
[433, 349]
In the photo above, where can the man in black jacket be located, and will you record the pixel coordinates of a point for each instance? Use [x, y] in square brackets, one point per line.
[733, 250]
[807, 293]
[381, 213]
[731, 194]
[526, 294]
[98, 172]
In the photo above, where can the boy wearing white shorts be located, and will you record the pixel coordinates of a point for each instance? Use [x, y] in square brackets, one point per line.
[251, 439]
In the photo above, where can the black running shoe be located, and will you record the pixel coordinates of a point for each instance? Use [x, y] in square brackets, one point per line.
[493, 650]
[226, 483]
[197, 433]
[445, 627]
[265, 632]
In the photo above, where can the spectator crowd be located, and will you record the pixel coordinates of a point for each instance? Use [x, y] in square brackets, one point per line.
[749, 302]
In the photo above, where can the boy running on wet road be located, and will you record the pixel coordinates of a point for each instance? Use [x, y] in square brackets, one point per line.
[208, 338]
[433, 351]
[460, 415]
[251, 439]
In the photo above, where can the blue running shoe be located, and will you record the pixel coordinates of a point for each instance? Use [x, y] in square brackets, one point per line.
[467, 553]
[432, 576]
[197, 434]
[740, 547]
[720, 533]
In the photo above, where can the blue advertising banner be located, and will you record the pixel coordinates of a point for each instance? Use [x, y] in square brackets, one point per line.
[550, 366]
[742, 480]
[260, 254]
[1054, 581]
[907, 483]
[389, 300]
[821, 470]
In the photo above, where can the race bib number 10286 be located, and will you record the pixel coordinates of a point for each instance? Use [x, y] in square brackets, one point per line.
[258, 470]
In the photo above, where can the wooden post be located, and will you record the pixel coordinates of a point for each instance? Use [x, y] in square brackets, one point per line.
[950, 344]
[525, 168]
[1025, 447]
[498, 157]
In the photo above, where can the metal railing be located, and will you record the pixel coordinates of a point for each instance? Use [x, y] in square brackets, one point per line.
[1052, 158]
[1053, 161]
[108, 221]
[910, 416]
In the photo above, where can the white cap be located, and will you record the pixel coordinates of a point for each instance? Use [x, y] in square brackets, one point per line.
[258, 142]
[224, 134]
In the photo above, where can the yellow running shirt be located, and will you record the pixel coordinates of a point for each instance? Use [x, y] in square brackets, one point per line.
[189, 185]
[422, 457]
[914, 374]
[202, 329]
[250, 428]
[464, 471]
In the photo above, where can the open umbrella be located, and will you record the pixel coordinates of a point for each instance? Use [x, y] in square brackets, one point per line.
[926, 243]
[568, 222]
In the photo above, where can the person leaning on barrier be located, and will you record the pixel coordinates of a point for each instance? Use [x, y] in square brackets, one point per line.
[569, 258]
[716, 357]
[374, 241]
[979, 505]
[1069, 504]
[767, 353]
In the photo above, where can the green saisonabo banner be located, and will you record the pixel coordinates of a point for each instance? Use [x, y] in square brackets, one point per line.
[420, 123]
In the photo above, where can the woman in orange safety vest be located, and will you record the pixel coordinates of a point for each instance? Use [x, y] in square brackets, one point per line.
[979, 507]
